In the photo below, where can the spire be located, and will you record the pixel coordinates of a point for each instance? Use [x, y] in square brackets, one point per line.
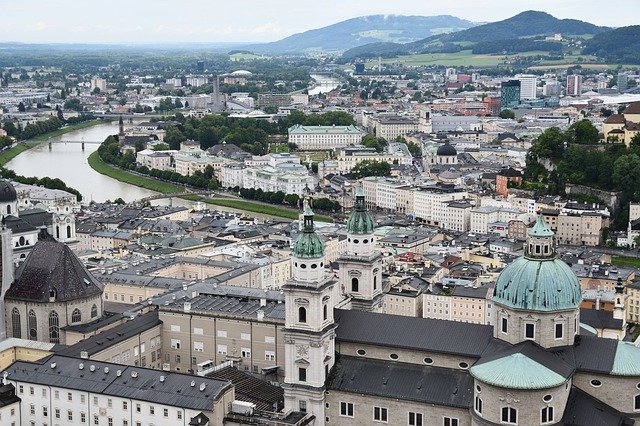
[619, 286]
[360, 221]
[308, 244]
[540, 241]
[308, 214]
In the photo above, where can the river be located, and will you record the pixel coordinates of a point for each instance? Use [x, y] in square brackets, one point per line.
[68, 161]
[323, 84]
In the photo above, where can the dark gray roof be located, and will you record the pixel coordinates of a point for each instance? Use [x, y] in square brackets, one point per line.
[36, 217]
[252, 389]
[600, 319]
[7, 192]
[426, 334]
[18, 225]
[51, 265]
[593, 354]
[114, 335]
[114, 379]
[584, 410]
[403, 381]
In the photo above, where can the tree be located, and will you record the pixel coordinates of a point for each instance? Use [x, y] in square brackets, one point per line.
[582, 132]
[371, 141]
[507, 113]
[10, 128]
[118, 200]
[550, 144]
[21, 107]
[173, 137]
[371, 168]
[96, 91]
[635, 141]
[73, 104]
[626, 175]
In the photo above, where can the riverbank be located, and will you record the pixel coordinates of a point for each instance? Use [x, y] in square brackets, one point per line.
[23, 146]
[118, 174]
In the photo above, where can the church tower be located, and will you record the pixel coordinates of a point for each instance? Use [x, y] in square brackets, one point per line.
[360, 271]
[309, 334]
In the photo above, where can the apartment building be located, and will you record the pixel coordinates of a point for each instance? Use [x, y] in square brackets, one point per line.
[471, 304]
[390, 127]
[68, 390]
[457, 216]
[580, 229]
[429, 202]
[324, 137]
[247, 332]
[481, 218]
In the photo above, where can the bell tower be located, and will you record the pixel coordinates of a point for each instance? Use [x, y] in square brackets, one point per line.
[309, 335]
[360, 272]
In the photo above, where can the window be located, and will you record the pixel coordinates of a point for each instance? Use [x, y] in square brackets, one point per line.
[325, 312]
[197, 330]
[245, 352]
[76, 316]
[109, 421]
[54, 327]
[175, 343]
[361, 352]
[96, 420]
[165, 412]
[596, 383]
[509, 415]
[380, 414]
[175, 327]
[137, 408]
[302, 374]
[179, 415]
[302, 314]
[125, 406]
[222, 349]
[32, 409]
[415, 419]
[83, 417]
[94, 309]
[375, 282]
[463, 365]
[15, 323]
[346, 409]
[636, 402]
[33, 325]
[245, 336]
[354, 284]
[428, 360]
[45, 411]
[152, 410]
[547, 398]
[393, 356]
[198, 346]
[57, 413]
[69, 396]
[302, 405]
[504, 325]
[269, 356]
[529, 331]
[70, 415]
[559, 331]
[546, 416]
[478, 405]
[450, 421]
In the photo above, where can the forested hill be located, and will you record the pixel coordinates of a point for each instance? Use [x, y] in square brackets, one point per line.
[621, 46]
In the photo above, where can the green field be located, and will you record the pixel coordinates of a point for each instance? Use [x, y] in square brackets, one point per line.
[21, 147]
[152, 184]
[262, 208]
[466, 58]
[632, 262]
[245, 57]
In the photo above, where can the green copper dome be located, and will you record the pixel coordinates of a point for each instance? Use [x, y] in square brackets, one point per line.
[308, 244]
[360, 221]
[517, 371]
[538, 281]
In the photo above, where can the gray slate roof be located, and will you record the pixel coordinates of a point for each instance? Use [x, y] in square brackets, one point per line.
[175, 390]
[52, 265]
[403, 381]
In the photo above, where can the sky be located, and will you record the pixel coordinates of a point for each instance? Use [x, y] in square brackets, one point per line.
[149, 21]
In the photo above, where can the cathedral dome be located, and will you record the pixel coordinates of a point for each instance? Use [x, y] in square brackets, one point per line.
[7, 192]
[360, 221]
[446, 150]
[538, 281]
[308, 244]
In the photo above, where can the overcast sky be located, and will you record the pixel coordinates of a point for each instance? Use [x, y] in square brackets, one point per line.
[132, 21]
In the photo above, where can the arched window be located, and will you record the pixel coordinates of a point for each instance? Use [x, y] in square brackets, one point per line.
[94, 311]
[375, 282]
[33, 325]
[509, 415]
[68, 231]
[302, 314]
[354, 284]
[636, 402]
[9, 209]
[546, 415]
[21, 241]
[76, 316]
[54, 328]
[53, 293]
[15, 323]
[57, 232]
[478, 405]
[325, 312]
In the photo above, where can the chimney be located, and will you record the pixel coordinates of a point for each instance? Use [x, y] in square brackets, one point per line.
[187, 306]
[260, 315]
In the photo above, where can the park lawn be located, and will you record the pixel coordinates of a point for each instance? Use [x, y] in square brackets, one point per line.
[462, 58]
[262, 208]
[633, 262]
[245, 57]
[20, 147]
[152, 184]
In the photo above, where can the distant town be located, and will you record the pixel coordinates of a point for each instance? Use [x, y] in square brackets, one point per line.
[316, 238]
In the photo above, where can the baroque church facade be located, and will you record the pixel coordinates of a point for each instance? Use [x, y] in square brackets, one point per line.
[349, 364]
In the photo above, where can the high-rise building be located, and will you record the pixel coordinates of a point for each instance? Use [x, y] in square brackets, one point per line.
[623, 82]
[510, 93]
[528, 86]
[98, 83]
[552, 88]
[200, 66]
[574, 85]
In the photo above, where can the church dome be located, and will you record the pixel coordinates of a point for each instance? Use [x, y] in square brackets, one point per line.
[446, 150]
[308, 244]
[7, 192]
[360, 221]
[538, 281]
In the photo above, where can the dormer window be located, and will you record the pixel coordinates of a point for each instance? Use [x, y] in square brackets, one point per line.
[53, 293]
[530, 331]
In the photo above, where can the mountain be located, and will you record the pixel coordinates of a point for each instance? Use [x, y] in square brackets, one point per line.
[366, 29]
[619, 46]
[525, 24]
